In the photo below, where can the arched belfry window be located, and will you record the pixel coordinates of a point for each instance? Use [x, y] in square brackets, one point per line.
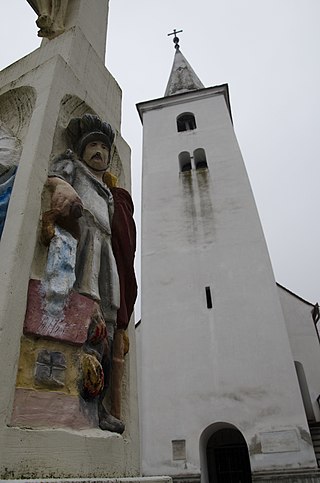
[185, 161]
[186, 122]
[199, 157]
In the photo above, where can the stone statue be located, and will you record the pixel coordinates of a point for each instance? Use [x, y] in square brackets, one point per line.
[51, 16]
[86, 203]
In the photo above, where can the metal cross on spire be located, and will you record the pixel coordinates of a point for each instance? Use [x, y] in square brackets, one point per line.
[175, 38]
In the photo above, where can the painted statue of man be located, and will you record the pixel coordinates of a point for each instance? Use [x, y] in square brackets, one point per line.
[106, 235]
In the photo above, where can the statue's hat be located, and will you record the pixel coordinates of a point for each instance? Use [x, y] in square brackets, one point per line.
[83, 130]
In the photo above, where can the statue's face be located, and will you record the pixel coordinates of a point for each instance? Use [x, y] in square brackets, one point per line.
[96, 155]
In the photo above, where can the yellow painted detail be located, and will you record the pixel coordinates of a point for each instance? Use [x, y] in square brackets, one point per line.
[29, 350]
[93, 379]
[110, 180]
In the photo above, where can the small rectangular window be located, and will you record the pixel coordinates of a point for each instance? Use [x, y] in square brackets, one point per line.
[209, 298]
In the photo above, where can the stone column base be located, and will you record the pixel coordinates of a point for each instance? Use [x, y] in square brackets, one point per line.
[298, 476]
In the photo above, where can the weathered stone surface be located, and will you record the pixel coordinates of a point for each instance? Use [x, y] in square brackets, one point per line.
[51, 15]
[182, 77]
[279, 441]
[16, 107]
[50, 409]
[50, 368]
[72, 328]
[29, 358]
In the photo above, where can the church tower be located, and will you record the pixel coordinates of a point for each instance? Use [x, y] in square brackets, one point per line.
[217, 375]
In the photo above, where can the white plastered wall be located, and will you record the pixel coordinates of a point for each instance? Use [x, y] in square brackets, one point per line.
[304, 341]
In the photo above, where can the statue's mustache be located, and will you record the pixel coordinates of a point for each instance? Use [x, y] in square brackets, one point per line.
[96, 155]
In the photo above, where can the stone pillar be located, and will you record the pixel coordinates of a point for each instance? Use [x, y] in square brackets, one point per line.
[64, 78]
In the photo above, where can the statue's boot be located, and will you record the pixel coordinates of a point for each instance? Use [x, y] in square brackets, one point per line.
[108, 422]
[117, 373]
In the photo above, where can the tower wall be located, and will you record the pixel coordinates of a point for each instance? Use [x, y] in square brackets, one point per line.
[202, 366]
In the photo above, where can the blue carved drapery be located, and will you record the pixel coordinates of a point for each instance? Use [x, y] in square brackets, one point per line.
[6, 185]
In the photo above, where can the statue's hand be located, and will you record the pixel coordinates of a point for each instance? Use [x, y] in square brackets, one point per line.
[65, 200]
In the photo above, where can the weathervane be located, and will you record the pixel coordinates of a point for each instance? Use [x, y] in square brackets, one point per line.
[175, 38]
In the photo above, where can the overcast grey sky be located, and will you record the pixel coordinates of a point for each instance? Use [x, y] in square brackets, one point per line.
[268, 53]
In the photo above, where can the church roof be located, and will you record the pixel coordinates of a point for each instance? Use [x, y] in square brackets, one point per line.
[182, 77]
[294, 294]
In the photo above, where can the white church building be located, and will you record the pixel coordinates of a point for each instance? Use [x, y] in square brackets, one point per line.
[228, 360]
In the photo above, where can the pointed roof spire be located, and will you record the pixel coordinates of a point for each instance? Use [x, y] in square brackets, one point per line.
[182, 77]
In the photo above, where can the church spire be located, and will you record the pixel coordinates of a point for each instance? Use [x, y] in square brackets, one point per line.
[182, 77]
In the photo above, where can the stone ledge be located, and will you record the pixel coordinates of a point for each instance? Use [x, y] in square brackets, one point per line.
[298, 476]
[186, 478]
[140, 479]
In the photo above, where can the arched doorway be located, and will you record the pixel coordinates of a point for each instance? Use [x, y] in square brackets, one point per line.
[227, 457]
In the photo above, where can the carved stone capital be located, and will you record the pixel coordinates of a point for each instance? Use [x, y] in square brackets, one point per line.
[51, 16]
